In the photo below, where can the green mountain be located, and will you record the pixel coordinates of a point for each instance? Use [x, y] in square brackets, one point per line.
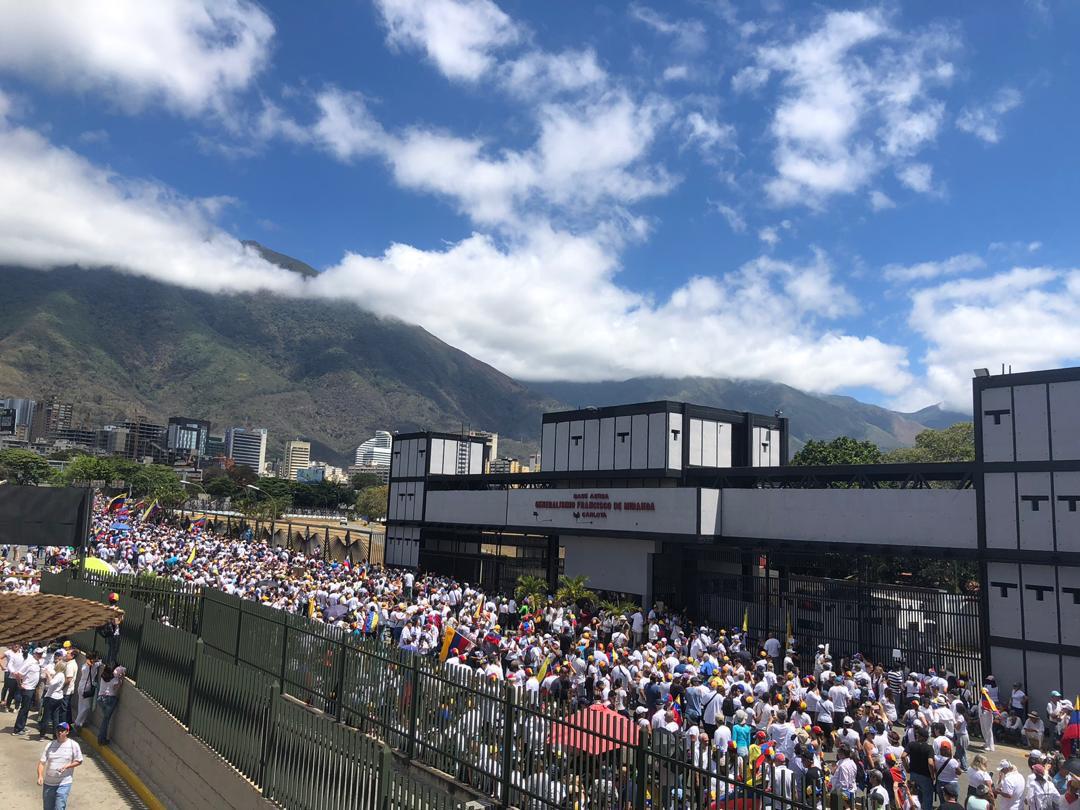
[119, 345]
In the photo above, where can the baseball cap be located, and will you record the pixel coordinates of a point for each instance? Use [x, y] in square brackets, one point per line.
[1055, 694]
[952, 788]
[63, 727]
[1039, 769]
[1004, 765]
[114, 597]
[848, 721]
[67, 645]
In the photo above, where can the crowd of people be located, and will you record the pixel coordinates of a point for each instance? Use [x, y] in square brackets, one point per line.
[803, 724]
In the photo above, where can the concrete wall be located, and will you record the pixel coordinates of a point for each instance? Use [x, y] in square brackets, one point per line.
[612, 564]
[943, 518]
[180, 770]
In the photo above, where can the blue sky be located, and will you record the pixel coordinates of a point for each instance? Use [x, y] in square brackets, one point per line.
[860, 198]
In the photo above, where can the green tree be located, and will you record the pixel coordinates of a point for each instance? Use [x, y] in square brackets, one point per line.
[575, 591]
[220, 487]
[362, 481]
[841, 450]
[241, 475]
[24, 467]
[371, 502]
[534, 589]
[89, 468]
[954, 443]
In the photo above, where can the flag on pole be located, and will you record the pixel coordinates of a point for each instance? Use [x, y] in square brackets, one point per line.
[191, 556]
[479, 608]
[746, 619]
[150, 509]
[542, 672]
[371, 622]
[115, 501]
[987, 703]
[454, 643]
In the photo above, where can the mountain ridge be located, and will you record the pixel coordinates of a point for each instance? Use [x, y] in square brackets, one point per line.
[119, 345]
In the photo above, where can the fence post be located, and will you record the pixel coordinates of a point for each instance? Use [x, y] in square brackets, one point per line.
[641, 769]
[339, 690]
[507, 742]
[284, 649]
[191, 683]
[268, 733]
[386, 778]
[148, 614]
[414, 692]
[202, 613]
[239, 627]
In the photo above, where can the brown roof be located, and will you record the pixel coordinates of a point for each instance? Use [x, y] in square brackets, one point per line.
[46, 616]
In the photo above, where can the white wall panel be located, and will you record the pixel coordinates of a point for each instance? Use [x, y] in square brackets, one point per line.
[1043, 675]
[410, 501]
[1067, 510]
[622, 442]
[591, 453]
[1000, 505]
[1065, 419]
[392, 506]
[657, 441]
[997, 426]
[710, 512]
[1003, 595]
[675, 441]
[418, 501]
[723, 445]
[1007, 665]
[1032, 424]
[695, 443]
[639, 446]
[476, 458]
[547, 447]
[450, 451]
[760, 451]
[628, 571]
[1040, 603]
[774, 448]
[1036, 511]
[562, 445]
[484, 508]
[708, 443]
[607, 443]
[1069, 604]
[1070, 672]
[577, 444]
[899, 517]
[435, 460]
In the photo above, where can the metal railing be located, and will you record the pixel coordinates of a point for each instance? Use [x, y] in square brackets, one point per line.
[232, 686]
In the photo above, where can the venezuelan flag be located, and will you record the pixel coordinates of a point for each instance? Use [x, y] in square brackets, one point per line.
[987, 703]
[454, 643]
[116, 502]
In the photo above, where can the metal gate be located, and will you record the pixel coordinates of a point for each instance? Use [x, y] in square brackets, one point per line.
[921, 627]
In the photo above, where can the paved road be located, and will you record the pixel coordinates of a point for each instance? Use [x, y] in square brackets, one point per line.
[96, 786]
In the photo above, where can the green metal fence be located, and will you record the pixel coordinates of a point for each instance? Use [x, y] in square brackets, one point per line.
[364, 698]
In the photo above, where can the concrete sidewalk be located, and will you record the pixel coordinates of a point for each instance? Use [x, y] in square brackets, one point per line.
[96, 786]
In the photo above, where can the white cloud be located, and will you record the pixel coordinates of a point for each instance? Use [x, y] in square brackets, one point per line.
[984, 122]
[461, 37]
[708, 134]
[690, 35]
[587, 155]
[854, 99]
[917, 176]
[676, 73]
[765, 315]
[1025, 317]
[924, 271]
[749, 79]
[880, 201]
[734, 219]
[56, 208]
[191, 55]
[772, 234]
[539, 72]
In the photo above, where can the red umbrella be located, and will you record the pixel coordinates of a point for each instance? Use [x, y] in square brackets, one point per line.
[595, 729]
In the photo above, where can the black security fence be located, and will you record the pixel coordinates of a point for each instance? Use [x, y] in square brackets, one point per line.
[242, 682]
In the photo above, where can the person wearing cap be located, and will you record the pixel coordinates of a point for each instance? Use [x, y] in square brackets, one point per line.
[55, 767]
[1040, 793]
[946, 770]
[919, 763]
[1009, 787]
[71, 674]
[28, 677]
[1058, 711]
[950, 793]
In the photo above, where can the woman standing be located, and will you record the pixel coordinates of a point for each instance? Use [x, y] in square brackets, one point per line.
[109, 686]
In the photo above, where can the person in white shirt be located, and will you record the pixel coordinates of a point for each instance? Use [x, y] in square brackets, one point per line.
[1009, 787]
[52, 698]
[55, 767]
[28, 676]
[15, 659]
[87, 684]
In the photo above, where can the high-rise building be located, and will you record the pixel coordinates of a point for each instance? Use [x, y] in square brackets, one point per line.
[375, 451]
[534, 462]
[492, 442]
[503, 466]
[186, 437]
[112, 439]
[74, 437]
[24, 414]
[145, 440]
[215, 447]
[51, 416]
[247, 446]
[297, 457]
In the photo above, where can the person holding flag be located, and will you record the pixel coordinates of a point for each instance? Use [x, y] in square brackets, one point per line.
[1070, 737]
[988, 712]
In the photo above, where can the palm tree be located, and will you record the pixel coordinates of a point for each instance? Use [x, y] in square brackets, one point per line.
[530, 588]
[575, 591]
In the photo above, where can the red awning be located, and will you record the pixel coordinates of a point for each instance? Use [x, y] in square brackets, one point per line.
[595, 729]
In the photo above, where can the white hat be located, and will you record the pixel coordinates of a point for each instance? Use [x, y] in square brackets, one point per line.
[1004, 765]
